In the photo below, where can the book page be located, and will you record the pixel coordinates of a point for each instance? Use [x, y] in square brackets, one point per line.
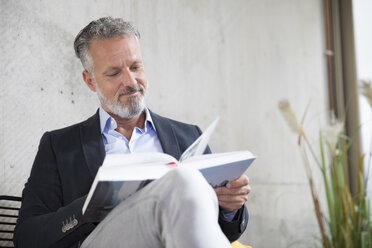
[138, 159]
[199, 145]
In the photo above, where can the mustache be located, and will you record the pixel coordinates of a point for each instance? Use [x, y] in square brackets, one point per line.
[131, 90]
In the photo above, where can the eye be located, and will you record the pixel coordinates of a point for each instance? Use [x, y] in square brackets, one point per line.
[114, 74]
[136, 67]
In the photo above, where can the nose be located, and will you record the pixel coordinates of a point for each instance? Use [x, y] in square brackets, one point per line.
[128, 78]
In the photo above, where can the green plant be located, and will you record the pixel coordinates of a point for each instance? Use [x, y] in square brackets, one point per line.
[346, 223]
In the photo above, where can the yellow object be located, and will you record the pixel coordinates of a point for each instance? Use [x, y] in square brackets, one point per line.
[237, 244]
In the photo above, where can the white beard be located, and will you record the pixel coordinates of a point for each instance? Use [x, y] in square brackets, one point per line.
[135, 105]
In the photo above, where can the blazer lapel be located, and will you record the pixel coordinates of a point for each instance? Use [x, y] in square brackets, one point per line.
[93, 148]
[168, 139]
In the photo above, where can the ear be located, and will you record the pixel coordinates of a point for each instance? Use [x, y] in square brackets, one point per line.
[88, 79]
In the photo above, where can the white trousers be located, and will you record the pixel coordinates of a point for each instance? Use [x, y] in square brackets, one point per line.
[178, 210]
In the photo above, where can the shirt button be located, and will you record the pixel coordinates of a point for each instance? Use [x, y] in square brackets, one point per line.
[112, 122]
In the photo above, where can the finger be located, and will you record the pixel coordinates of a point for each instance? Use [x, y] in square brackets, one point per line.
[239, 182]
[233, 199]
[233, 191]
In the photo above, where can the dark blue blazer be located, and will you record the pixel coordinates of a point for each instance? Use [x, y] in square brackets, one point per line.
[63, 171]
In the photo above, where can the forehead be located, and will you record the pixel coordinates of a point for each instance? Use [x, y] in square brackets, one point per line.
[123, 48]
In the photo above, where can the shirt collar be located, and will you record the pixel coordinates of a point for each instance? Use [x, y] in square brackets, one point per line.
[108, 123]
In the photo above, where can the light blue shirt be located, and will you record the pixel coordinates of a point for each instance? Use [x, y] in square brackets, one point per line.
[142, 140]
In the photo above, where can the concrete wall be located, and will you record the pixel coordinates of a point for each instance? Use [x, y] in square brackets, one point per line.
[232, 59]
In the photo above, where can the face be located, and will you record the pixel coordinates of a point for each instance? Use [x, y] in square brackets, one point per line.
[119, 77]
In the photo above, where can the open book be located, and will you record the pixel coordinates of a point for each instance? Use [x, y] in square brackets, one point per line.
[122, 175]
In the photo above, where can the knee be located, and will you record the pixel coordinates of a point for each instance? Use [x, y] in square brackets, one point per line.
[186, 177]
[189, 182]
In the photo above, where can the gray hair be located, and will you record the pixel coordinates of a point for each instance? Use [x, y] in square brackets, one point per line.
[103, 28]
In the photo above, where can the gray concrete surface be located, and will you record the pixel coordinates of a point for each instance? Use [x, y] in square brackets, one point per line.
[232, 59]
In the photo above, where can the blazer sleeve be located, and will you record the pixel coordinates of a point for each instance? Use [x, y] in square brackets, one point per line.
[44, 220]
[235, 228]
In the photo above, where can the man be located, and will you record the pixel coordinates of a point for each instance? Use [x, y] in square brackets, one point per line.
[178, 210]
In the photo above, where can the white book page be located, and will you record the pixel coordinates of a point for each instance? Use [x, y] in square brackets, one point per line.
[138, 159]
[131, 175]
[199, 145]
[135, 173]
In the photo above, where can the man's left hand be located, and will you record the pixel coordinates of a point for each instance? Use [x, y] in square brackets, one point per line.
[235, 194]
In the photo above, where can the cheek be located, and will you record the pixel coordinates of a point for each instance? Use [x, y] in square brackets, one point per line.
[143, 82]
[110, 90]
[145, 85]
